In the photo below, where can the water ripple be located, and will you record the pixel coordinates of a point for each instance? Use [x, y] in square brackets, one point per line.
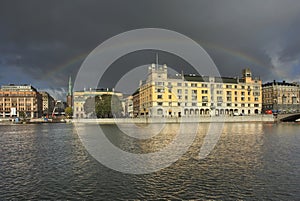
[250, 162]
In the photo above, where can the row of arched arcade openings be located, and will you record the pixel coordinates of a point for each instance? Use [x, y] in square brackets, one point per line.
[204, 112]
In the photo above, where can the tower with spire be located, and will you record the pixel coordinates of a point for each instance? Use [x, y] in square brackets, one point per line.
[70, 94]
[157, 72]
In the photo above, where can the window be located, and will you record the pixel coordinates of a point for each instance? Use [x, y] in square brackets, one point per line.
[294, 100]
[219, 104]
[194, 91]
[204, 85]
[204, 91]
[159, 90]
[193, 85]
[243, 93]
[243, 105]
[256, 99]
[159, 103]
[235, 93]
[194, 104]
[228, 98]
[186, 91]
[179, 84]
[204, 99]
[179, 97]
[228, 104]
[228, 86]
[256, 105]
[170, 96]
[159, 96]
[242, 99]
[159, 83]
[228, 93]
[219, 99]
[179, 91]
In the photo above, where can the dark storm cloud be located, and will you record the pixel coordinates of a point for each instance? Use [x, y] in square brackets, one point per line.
[41, 37]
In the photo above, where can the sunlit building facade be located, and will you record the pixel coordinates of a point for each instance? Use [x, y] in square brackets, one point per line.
[17, 99]
[48, 103]
[128, 109]
[281, 96]
[194, 95]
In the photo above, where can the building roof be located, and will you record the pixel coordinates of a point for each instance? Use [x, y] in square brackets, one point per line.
[13, 87]
[199, 78]
[99, 90]
[196, 78]
[282, 83]
[136, 92]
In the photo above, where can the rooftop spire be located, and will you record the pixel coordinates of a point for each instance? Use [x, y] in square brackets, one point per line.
[70, 86]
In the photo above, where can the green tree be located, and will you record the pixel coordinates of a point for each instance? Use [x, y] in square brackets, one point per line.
[104, 106]
[69, 112]
[22, 114]
[90, 105]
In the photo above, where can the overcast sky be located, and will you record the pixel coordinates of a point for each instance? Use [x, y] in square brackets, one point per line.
[43, 42]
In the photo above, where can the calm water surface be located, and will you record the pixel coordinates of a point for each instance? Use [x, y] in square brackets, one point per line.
[252, 161]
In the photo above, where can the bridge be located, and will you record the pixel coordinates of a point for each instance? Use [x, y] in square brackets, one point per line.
[288, 117]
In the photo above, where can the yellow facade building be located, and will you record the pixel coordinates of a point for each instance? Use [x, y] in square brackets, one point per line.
[194, 95]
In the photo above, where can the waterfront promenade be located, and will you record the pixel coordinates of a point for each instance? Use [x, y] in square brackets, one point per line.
[226, 119]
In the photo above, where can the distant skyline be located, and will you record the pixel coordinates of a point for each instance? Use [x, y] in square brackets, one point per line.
[44, 42]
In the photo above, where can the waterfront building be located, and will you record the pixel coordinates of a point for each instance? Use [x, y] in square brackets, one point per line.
[48, 103]
[16, 99]
[136, 103]
[81, 96]
[194, 95]
[128, 110]
[281, 96]
[70, 94]
[59, 108]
